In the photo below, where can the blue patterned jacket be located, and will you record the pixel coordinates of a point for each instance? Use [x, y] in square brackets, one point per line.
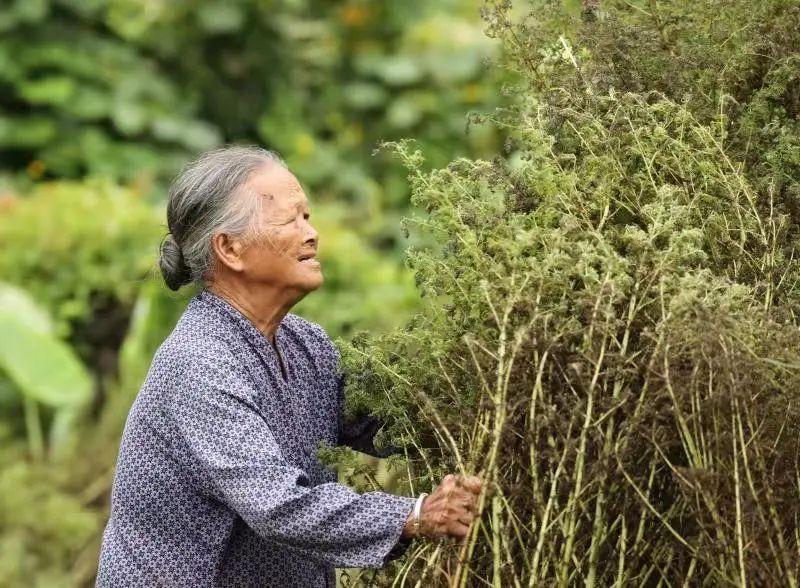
[217, 480]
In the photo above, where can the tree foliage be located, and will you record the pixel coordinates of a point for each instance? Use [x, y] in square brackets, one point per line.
[130, 90]
[611, 333]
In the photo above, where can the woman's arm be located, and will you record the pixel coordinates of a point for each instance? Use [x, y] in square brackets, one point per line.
[237, 459]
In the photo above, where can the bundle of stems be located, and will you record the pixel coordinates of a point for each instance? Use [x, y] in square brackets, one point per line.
[619, 360]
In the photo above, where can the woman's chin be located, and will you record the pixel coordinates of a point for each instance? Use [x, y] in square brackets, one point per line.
[313, 281]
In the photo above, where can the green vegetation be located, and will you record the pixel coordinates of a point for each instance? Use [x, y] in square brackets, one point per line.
[611, 327]
[129, 89]
[80, 248]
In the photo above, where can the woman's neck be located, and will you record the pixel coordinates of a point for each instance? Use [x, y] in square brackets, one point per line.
[264, 307]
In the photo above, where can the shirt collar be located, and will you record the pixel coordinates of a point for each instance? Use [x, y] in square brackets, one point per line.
[256, 338]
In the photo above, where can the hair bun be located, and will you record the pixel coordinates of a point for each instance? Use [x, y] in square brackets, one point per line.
[172, 264]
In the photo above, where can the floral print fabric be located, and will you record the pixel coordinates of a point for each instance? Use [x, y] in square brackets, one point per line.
[217, 481]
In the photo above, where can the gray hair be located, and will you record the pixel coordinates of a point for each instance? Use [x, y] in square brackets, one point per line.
[208, 197]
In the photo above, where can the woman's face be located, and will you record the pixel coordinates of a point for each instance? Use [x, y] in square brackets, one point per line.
[283, 251]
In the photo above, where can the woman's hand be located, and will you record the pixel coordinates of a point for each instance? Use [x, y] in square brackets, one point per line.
[449, 510]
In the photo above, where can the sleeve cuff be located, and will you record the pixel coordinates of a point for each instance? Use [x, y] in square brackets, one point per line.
[399, 546]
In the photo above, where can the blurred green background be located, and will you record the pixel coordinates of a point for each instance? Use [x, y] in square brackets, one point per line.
[101, 102]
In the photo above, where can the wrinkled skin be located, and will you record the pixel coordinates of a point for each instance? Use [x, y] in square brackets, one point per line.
[449, 510]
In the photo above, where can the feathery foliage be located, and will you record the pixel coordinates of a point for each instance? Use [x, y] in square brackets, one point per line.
[611, 331]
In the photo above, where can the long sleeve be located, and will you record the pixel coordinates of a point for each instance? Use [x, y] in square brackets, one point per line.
[239, 462]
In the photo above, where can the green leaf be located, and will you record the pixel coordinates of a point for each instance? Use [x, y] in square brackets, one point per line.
[33, 131]
[63, 431]
[23, 11]
[129, 117]
[404, 112]
[195, 135]
[25, 310]
[220, 17]
[54, 90]
[89, 103]
[43, 368]
[363, 95]
[400, 70]
[154, 316]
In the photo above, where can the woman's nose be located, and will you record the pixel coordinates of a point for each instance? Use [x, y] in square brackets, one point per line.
[311, 233]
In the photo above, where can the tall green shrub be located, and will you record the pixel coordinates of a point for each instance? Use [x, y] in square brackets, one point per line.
[611, 332]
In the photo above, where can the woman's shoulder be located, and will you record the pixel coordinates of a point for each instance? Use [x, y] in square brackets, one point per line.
[199, 348]
[198, 334]
[313, 337]
[305, 327]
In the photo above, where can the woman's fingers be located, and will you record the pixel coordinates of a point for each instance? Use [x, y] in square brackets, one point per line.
[467, 502]
[472, 483]
[465, 518]
[452, 507]
[472, 507]
[458, 530]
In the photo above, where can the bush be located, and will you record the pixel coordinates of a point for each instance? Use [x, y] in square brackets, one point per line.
[82, 249]
[611, 333]
[47, 545]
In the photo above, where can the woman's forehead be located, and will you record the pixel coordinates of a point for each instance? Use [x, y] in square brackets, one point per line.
[279, 187]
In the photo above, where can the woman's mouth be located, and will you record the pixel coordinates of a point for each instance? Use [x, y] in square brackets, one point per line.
[309, 259]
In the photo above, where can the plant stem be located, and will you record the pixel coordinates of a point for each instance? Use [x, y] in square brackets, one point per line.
[33, 426]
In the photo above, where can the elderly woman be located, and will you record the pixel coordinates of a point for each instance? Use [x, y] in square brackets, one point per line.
[217, 480]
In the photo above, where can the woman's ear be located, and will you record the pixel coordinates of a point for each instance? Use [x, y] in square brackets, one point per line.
[228, 251]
